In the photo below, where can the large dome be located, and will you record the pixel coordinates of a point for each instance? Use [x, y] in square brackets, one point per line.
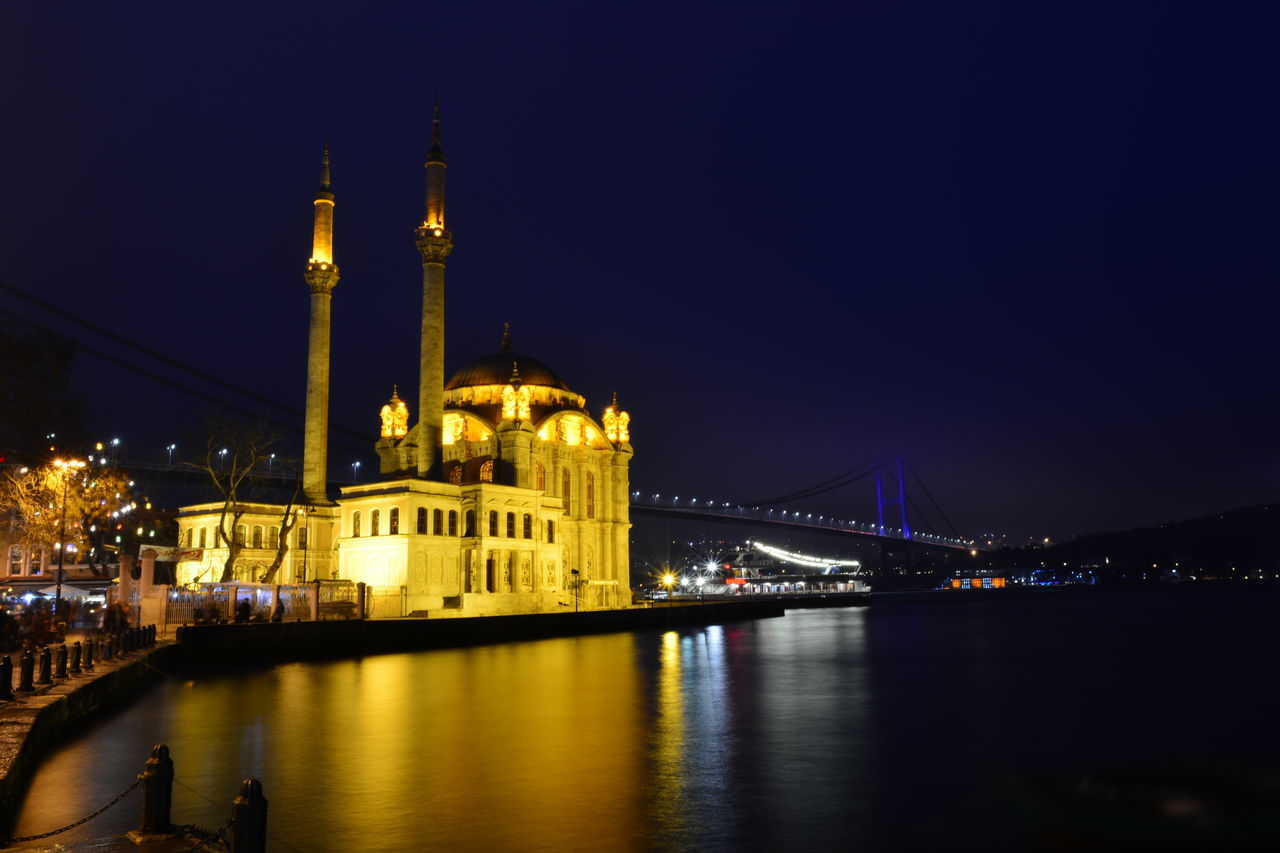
[496, 370]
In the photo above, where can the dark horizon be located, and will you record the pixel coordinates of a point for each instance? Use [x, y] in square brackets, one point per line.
[1028, 250]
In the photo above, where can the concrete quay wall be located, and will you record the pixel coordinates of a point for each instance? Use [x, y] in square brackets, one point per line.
[219, 645]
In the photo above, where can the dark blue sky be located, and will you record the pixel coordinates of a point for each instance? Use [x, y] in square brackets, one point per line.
[1030, 247]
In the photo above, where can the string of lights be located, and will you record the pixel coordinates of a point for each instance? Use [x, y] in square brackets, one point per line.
[805, 560]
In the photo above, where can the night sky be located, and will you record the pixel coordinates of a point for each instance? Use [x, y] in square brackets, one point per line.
[1029, 247]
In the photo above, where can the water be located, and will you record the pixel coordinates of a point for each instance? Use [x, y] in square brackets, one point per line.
[894, 727]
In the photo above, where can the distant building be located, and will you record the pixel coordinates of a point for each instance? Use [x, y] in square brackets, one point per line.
[506, 495]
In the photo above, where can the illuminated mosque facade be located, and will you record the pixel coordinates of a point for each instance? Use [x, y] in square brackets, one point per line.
[506, 496]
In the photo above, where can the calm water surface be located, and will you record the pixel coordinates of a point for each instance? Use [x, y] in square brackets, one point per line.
[893, 727]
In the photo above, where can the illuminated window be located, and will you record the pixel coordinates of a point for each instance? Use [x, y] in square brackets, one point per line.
[257, 536]
[375, 519]
[15, 559]
[528, 526]
[453, 522]
[422, 520]
[273, 538]
[566, 484]
[35, 561]
[591, 495]
[469, 525]
[437, 522]
[493, 522]
[551, 533]
[486, 471]
[393, 523]
[355, 523]
[203, 531]
[539, 477]
[511, 525]
[455, 475]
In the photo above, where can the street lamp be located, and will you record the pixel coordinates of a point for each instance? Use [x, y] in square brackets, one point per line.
[668, 580]
[270, 461]
[355, 470]
[171, 448]
[222, 458]
[63, 466]
[305, 543]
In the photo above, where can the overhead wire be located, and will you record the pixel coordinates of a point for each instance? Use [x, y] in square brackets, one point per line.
[158, 356]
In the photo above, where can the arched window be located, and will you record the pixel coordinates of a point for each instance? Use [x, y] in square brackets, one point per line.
[302, 537]
[591, 495]
[469, 526]
[355, 523]
[528, 526]
[437, 522]
[273, 539]
[486, 471]
[551, 533]
[539, 477]
[257, 536]
[453, 522]
[455, 475]
[374, 518]
[203, 531]
[422, 521]
[511, 525]
[241, 533]
[493, 522]
[393, 523]
[566, 489]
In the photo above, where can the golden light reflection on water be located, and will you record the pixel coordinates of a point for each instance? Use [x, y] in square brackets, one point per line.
[616, 742]
[668, 738]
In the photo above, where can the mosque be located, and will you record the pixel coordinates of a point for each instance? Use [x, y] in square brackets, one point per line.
[506, 496]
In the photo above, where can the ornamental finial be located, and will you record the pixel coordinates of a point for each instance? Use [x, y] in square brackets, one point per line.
[506, 337]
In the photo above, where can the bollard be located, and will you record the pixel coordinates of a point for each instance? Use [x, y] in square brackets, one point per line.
[157, 791]
[151, 635]
[6, 679]
[76, 652]
[88, 654]
[249, 819]
[60, 662]
[46, 666]
[27, 672]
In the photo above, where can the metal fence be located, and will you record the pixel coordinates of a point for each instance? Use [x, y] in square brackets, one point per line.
[210, 603]
[385, 602]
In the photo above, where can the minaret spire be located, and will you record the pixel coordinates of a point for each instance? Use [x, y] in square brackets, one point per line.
[434, 244]
[322, 277]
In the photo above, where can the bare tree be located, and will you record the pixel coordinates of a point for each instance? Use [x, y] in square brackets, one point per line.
[287, 520]
[232, 460]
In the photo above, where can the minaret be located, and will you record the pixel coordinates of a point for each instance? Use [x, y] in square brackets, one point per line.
[322, 277]
[434, 244]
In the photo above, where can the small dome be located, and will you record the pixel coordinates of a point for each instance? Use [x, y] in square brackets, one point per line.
[496, 370]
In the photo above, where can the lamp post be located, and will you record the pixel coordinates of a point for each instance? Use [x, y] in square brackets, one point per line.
[355, 470]
[171, 448]
[668, 580]
[306, 542]
[63, 466]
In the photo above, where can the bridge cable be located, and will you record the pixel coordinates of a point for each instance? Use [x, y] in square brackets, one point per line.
[150, 353]
[837, 482]
[73, 344]
[936, 505]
